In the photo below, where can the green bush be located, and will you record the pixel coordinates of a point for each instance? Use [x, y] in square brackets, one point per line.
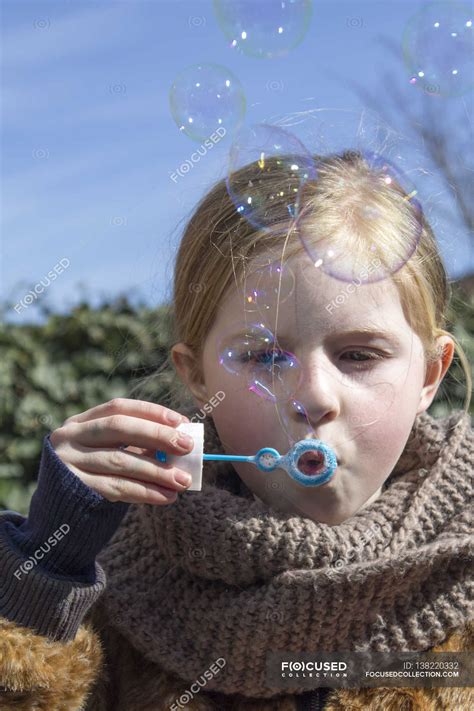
[65, 366]
[73, 362]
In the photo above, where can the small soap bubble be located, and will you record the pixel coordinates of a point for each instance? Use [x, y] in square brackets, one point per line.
[207, 97]
[267, 192]
[251, 352]
[266, 29]
[268, 285]
[237, 347]
[275, 375]
[371, 241]
[438, 49]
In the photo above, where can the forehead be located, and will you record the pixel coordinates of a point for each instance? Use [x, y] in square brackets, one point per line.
[304, 295]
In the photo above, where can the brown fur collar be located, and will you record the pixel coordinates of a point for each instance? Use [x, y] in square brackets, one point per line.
[43, 675]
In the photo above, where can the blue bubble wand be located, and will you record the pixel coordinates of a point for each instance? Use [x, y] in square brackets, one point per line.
[267, 459]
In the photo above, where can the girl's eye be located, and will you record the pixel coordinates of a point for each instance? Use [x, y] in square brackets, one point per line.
[264, 357]
[366, 356]
[359, 359]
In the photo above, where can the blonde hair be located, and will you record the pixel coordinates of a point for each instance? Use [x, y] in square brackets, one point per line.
[218, 243]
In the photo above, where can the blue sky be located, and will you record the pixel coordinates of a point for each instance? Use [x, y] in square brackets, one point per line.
[89, 143]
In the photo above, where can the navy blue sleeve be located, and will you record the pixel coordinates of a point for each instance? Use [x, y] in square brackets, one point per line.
[49, 577]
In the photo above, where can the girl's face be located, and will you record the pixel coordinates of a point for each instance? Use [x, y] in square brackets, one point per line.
[361, 389]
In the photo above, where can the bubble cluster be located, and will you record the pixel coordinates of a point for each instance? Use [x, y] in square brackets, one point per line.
[438, 49]
[365, 247]
[267, 194]
[266, 29]
[251, 352]
[206, 97]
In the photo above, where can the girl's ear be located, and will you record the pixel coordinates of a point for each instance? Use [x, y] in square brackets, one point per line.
[435, 372]
[189, 371]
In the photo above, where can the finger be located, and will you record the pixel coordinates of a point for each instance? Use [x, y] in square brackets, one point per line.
[133, 408]
[117, 462]
[116, 430]
[116, 488]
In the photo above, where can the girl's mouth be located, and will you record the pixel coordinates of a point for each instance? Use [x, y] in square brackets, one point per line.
[311, 462]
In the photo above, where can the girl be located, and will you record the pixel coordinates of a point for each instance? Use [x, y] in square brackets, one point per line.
[118, 595]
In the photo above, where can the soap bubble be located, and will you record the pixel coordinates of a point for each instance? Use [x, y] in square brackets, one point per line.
[206, 97]
[438, 48]
[237, 345]
[264, 29]
[335, 131]
[268, 193]
[269, 284]
[251, 352]
[329, 131]
[276, 375]
[367, 247]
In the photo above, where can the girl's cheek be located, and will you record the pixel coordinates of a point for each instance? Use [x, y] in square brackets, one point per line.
[244, 421]
[383, 442]
[390, 403]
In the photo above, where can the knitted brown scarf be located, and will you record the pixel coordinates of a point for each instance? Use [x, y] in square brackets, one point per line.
[220, 575]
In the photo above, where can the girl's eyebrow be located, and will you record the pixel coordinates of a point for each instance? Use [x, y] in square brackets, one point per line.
[365, 331]
[371, 332]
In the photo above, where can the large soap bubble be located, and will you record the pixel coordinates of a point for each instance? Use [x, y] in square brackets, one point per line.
[438, 48]
[378, 229]
[264, 29]
[206, 97]
[267, 193]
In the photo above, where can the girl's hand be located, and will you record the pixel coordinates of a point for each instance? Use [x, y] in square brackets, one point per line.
[89, 444]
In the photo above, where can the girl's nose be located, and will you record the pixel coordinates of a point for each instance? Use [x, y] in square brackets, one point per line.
[318, 394]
